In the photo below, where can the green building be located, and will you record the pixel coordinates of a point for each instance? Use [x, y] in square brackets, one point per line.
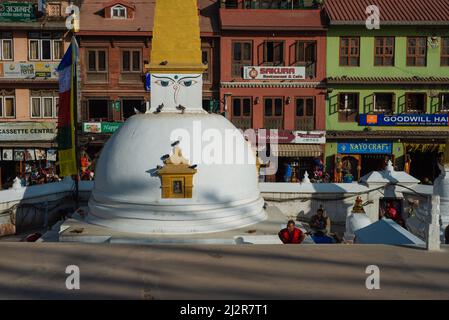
[388, 88]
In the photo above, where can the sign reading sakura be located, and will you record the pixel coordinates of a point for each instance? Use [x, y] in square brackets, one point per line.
[274, 73]
[310, 137]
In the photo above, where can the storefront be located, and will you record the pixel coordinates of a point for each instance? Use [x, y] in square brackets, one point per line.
[295, 153]
[28, 150]
[355, 159]
[421, 159]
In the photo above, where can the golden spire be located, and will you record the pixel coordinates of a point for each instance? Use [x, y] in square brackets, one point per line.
[176, 44]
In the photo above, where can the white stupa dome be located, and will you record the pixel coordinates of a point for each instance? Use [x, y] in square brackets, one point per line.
[127, 192]
[357, 221]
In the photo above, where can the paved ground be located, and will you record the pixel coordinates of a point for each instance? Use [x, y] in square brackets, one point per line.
[37, 271]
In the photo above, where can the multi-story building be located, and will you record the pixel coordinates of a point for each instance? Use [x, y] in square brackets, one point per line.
[272, 72]
[32, 42]
[388, 88]
[115, 45]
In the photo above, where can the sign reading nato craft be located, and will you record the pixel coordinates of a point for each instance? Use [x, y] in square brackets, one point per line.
[17, 12]
[365, 148]
[274, 73]
[404, 120]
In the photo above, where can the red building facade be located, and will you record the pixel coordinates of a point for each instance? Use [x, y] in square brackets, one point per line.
[260, 50]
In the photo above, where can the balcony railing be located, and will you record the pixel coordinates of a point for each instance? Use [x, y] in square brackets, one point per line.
[273, 123]
[242, 123]
[270, 4]
[305, 124]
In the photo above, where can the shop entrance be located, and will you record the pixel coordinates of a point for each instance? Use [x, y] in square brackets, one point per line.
[373, 162]
[424, 165]
[297, 167]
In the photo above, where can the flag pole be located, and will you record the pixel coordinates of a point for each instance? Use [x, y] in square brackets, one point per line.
[75, 114]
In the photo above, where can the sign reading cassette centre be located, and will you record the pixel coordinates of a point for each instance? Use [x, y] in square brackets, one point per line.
[274, 73]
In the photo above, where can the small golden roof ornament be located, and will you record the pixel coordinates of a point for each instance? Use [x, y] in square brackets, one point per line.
[358, 206]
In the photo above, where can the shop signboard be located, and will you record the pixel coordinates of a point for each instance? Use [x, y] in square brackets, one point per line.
[274, 73]
[309, 137]
[13, 70]
[17, 12]
[274, 136]
[101, 127]
[28, 131]
[404, 120]
[365, 148]
[46, 70]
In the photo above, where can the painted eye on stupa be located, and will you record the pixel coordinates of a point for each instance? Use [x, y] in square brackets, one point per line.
[164, 83]
[187, 83]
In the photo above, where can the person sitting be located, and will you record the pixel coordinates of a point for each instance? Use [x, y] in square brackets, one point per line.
[320, 222]
[393, 214]
[291, 234]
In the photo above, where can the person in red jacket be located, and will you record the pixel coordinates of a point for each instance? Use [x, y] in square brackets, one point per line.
[291, 234]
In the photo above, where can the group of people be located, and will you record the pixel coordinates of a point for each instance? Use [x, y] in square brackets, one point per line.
[39, 176]
[319, 224]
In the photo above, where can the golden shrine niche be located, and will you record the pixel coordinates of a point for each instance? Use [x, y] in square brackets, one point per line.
[176, 176]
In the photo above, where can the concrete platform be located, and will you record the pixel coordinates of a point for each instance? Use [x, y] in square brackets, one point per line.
[111, 271]
[77, 230]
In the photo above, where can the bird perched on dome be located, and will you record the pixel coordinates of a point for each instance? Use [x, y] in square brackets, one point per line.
[159, 108]
[181, 108]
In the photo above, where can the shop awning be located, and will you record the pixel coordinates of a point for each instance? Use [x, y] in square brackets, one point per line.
[298, 150]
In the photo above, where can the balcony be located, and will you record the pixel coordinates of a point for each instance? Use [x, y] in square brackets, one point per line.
[273, 123]
[305, 124]
[242, 123]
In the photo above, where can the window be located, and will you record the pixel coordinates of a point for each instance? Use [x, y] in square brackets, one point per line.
[305, 55]
[53, 9]
[131, 61]
[384, 102]
[6, 46]
[350, 51]
[415, 102]
[129, 107]
[7, 106]
[44, 104]
[445, 51]
[276, 4]
[241, 107]
[97, 65]
[45, 46]
[273, 111]
[98, 110]
[444, 102]
[416, 51]
[273, 53]
[384, 51]
[205, 58]
[58, 49]
[231, 4]
[305, 113]
[348, 107]
[118, 12]
[242, 55]
[241, 112]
